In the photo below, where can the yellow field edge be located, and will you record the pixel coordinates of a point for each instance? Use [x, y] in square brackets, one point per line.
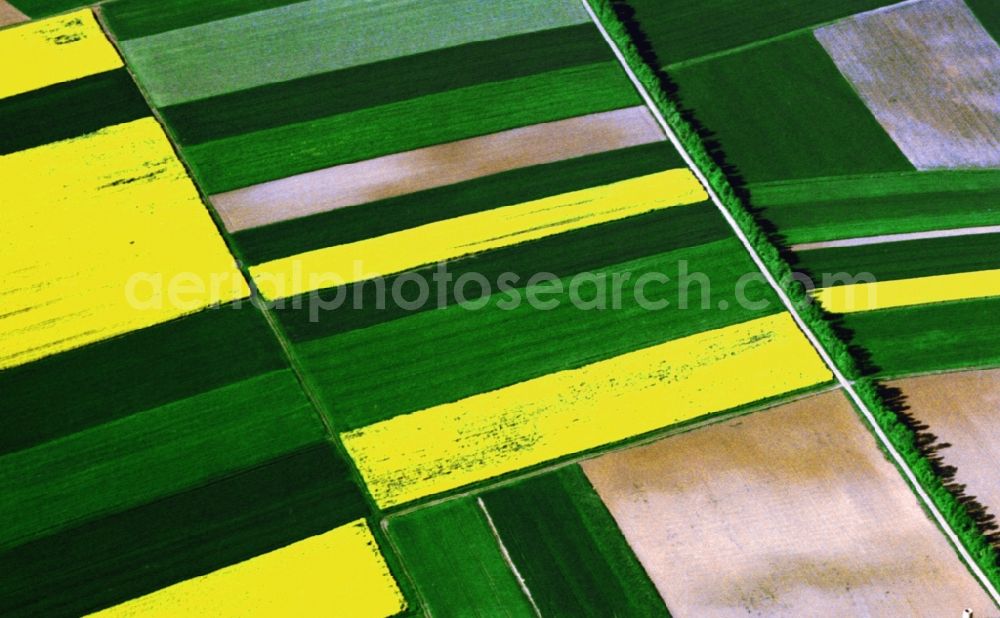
[474, 233]
[338, 573]
[54, 50]
[452, 445]
[905, 292]
[104, 234]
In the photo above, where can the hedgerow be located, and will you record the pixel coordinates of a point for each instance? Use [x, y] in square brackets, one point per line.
[970, 521]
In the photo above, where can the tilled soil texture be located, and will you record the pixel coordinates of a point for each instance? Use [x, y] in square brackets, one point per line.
[788, 512]
[963, 409]
[930, 73]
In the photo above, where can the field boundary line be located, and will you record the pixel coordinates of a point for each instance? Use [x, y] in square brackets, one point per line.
[680, 64]
[506, 557]
[276, 330]
[578, 458]
[991, 173]
[882, 239]
[846, 384]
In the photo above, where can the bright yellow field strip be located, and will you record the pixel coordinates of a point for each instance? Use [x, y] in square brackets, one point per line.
[339, 573]
[448, 446]
[904, 292]
[103, 234]
[54, 50]
[465, 235]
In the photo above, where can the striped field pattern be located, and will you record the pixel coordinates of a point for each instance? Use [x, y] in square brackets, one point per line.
[905, 86]
[914, 83]
[455, 444]
[158, 437]
[64, 48]
[212, 407]
[505, 204]
[476, 233]
[862, 138]
[508, 144]
[340, 571]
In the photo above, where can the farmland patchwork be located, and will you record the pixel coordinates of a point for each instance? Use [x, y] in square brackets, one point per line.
[930, 73]
[817, 516]
[362, 307]
[140, 420]
[433, 450]
[544, 163]
[340, 571]
[863, 141]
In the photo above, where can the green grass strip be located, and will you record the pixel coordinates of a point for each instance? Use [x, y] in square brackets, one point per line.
[344, 225]
[138, 551]
[435, 357]
[821, 209]
[908, 259]
[951, 503]
[132, 19]
[245, 160]
[569, 550]
[594, 248]
[70, 392]
[928, 338]
[874, 186]
[151, 455]
[389, 81]
[69, 109]
[318, 36]
[787, 113]
[450, 552]
[686, 29]
[988, 14]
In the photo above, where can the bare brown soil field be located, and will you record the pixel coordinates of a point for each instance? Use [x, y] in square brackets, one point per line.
[963, 409]
[10, 15]
[930, 73]
[434, 166]
[791, 511]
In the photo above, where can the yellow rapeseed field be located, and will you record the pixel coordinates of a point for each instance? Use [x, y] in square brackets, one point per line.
[465, 235]
[451, 445]
[115, 241]
[338, 573]
[54, 50]
[903, 292]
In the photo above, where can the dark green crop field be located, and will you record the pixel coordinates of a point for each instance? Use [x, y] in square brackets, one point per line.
[786, 113]
[185, 535]
[381, 83]
[831, 208]
[908, 259]
[450, 552]
[927, 338]
[569, 550]
[433, 357]
[69, 109]
[269, 154]
[684, 29]
[73, 391]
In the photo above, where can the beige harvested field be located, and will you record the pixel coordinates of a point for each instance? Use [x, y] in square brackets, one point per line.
[930, 73]
[434, 166]
[10, 15]
[963, 409]
[791, 511]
